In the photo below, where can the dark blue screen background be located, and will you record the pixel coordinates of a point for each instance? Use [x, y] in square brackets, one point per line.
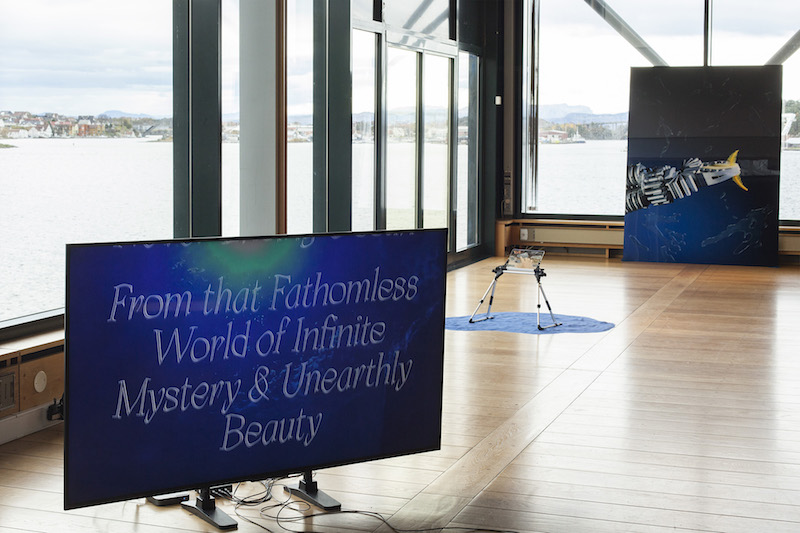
[115, 379]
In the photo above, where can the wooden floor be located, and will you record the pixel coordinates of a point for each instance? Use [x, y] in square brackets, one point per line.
[684, 417]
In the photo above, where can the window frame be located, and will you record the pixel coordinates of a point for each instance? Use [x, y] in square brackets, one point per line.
[526, 156]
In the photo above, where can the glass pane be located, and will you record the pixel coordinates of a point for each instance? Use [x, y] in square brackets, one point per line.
[583, 109]
[529, 91]
[672, 30]
[363, 130]
[467, 166]
[230, 117]
[401, 147]
[430, 17]
[790, 154]
[745, 34]
[436, 150]
[85, 137]
[300, 111]
[362, 9]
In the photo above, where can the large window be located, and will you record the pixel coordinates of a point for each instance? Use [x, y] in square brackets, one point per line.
[86, 126]
[418, 171]
[577, 100]
[584, 58]
[85, 136]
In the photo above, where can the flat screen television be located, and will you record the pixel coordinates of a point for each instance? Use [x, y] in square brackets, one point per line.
[195, 363]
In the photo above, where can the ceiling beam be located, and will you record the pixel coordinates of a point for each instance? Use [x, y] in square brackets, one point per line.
[786, 50]
[627, 33]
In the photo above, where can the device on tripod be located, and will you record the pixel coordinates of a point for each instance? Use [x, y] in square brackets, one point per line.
[520, 261]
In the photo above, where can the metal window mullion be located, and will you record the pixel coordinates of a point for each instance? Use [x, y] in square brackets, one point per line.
[281, 117]
[452, 196]
[474, 139]
[420, 134]
[452, 153]
[340, 120]
[533, 117]
[206, 118]
[180, 111]
[320, 118]
[197, 124]
[381, 132]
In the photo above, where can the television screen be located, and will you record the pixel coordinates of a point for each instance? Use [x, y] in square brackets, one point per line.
[201, 362]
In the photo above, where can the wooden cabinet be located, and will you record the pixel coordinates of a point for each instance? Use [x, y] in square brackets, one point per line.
[32, 370]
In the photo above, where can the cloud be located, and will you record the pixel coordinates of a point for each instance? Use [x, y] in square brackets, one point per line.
[681, 17]
[79, 53]
[585, 61]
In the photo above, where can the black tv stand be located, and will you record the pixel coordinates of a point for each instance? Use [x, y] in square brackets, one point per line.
[307, 490]
[206, 508]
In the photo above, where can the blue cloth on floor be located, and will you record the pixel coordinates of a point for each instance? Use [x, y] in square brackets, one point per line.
[526, 323]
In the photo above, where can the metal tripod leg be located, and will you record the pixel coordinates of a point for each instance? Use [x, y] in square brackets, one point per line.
[540, 293]
[491, 287]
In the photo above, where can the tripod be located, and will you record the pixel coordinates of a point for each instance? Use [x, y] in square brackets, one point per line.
[499, 271]
[539, 273]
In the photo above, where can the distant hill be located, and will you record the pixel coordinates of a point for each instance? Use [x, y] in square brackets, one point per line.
[557, 114]
[115, 113]
[577, 114]
[554, 111]
[589, 118]
[305, 120]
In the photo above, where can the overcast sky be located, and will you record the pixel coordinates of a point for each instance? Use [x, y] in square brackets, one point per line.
[89, 56]
[584, 61]
[86, 56]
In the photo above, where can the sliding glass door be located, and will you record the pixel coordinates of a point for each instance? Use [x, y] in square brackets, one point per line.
[401, 138]
[436, 96]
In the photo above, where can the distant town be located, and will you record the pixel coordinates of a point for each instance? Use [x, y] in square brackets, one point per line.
[111, 124]
[25, 125]
[557, 124]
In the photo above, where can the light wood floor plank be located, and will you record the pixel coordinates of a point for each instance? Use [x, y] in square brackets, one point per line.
[634, 514]
[636, 457]
[683, 417]
[702, 449]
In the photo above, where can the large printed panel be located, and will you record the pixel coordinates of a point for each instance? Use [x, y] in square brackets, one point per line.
[202, 362]
[703, 165]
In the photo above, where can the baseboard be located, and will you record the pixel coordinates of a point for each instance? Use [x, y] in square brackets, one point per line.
[19, 425]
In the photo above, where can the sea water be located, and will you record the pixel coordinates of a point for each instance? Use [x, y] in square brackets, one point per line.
[58, 191]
